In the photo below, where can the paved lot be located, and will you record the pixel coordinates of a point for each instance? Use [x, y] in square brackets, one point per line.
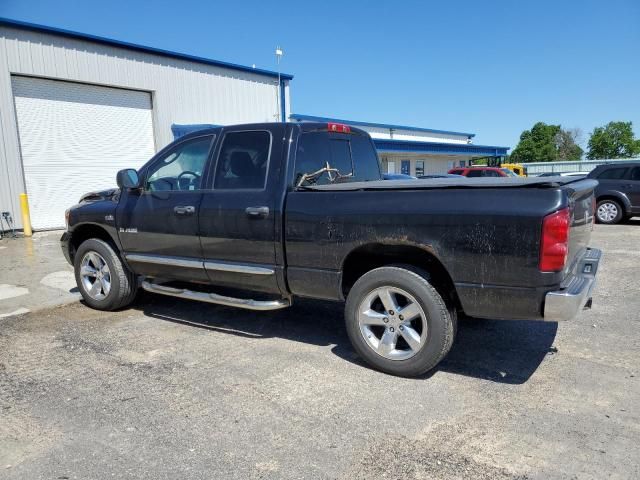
[172, 389]
[34, 274]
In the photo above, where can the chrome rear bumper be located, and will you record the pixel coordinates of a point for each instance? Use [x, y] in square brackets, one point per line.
[575, 294]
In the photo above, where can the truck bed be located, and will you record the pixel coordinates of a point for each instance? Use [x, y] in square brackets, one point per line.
[485, 232]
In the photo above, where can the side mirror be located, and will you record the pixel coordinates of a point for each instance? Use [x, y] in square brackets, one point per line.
[128, 179]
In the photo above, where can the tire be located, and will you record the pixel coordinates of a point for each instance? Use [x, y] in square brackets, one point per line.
[89, 265]
[609, 212]
[372, 326]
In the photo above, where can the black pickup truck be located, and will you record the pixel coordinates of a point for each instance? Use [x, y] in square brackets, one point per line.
[272, 212]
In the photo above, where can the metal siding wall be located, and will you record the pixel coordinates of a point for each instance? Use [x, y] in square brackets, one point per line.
[579, 166]
[377, 132]
[11, 178]
[183, 92]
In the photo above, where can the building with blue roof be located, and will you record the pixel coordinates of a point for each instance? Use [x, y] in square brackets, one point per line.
[416, 150]
[75, 108]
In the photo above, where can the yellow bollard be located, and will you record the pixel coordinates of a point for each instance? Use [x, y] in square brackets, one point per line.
[26, 216]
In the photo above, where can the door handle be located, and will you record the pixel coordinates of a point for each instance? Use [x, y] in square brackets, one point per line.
[257, 212]
[184, 210]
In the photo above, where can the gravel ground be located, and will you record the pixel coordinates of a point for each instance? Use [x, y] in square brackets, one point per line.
[176, 389]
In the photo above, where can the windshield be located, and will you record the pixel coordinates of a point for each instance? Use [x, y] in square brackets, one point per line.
[508, 172]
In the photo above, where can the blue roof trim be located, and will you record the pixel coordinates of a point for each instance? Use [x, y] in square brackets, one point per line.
[312, 118]
[440, 148]
[182, 130]
[140, 48]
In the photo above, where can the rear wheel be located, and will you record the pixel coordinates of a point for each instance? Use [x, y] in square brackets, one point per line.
[104, 281]
[609, 212]
[398, 322]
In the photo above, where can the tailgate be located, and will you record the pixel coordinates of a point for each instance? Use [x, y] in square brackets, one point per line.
[582, 205]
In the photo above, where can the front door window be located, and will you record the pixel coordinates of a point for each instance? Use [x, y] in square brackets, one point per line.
[181, 168]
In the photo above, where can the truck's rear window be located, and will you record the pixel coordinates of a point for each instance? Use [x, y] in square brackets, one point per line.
[352, 155]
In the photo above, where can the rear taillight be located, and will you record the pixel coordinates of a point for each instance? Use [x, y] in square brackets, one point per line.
[554, 245]
[338, 128]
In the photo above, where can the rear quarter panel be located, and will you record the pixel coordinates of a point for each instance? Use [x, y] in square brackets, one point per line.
[481, 236]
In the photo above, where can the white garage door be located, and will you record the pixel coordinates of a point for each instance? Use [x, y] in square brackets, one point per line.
[74, 138]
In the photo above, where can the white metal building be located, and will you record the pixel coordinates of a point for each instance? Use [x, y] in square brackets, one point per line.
[75, 108]
[416, 150]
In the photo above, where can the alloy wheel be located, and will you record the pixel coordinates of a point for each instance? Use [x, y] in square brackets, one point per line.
[392, 323]
[95, 275]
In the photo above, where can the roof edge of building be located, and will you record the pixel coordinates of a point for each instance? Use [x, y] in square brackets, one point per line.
[407, 146]
[313, 118]
[8, 22]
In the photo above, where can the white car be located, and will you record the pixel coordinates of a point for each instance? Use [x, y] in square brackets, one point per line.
[563, 174]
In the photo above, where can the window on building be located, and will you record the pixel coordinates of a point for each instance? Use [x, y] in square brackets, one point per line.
[243, 160]
[613, 174]
[391, 166]
[181, 168]
[419, 168]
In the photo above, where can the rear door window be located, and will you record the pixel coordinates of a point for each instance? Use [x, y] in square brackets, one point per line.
[635, 174]
[243, 160]
[613, 174]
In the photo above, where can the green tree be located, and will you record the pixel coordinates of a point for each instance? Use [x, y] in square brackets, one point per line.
[614, 140]
[537, 144]
[567, 144]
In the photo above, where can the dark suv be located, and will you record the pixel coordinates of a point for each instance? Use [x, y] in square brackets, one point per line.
[618, 191]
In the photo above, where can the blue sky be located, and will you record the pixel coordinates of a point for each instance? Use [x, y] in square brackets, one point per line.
[489, 67]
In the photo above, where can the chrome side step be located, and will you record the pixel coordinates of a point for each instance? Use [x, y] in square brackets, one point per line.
[215, 298]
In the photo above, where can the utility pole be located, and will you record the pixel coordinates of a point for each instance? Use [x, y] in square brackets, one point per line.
[279, 54]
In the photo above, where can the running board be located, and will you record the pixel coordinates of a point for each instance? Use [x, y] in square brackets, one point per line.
[215, 298]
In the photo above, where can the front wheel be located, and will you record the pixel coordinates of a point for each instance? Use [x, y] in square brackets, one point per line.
[398, 322]
[104, 281]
